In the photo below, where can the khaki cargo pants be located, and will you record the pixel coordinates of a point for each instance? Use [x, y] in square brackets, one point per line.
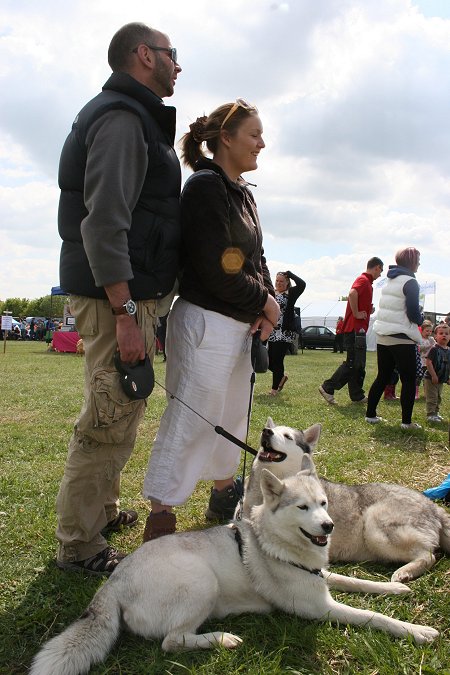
[433, 396]
[104, 434]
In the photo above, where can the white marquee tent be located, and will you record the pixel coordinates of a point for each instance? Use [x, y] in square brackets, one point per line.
[321, 313]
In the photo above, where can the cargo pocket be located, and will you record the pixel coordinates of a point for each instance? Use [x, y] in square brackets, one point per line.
[85, 312]
[148, 322]
[111, 416]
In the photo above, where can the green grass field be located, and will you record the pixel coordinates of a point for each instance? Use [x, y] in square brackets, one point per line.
[41, 396]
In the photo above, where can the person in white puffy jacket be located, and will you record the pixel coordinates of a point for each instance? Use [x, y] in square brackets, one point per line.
[397, 330]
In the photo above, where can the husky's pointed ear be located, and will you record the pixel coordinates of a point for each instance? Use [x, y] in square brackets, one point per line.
[312, 435]
[307, 467]
[271, 487]
[270, 424]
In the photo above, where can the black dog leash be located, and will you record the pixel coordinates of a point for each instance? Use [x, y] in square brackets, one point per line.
[218, 429]
[223, 432]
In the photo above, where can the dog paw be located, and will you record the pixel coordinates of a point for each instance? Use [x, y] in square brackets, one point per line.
[397, 588]
[230, 641]
[402, 576]
[423, 634]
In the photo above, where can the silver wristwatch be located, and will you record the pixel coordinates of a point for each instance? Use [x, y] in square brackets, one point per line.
[129, 307]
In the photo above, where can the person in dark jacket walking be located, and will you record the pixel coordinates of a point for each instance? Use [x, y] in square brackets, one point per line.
[119, 221]
[283, 334]
[356, 322]
[225, 295]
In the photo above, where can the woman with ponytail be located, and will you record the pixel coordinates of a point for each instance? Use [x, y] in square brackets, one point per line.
[225, 295]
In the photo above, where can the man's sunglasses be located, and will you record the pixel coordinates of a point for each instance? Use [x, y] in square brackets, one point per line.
[170, 50]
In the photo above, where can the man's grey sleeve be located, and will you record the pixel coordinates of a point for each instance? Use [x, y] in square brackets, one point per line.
[115, 171]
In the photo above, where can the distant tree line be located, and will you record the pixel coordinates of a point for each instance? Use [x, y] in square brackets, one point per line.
[48, 305]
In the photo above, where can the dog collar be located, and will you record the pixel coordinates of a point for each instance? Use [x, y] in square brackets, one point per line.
[317, 572]
[238, 538]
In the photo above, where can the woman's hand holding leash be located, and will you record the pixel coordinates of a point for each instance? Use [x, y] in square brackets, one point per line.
[267, 321]
[266, 327]
[271, 310]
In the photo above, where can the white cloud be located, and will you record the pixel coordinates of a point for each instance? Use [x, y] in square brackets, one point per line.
[354, 98]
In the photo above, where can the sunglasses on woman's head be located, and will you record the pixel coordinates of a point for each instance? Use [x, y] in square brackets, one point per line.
[240, 103]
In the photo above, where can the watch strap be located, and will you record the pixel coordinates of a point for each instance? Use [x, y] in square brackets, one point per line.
[128, 307]
[119, 310]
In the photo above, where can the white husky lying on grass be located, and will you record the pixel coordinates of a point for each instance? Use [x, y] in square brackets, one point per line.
[275, 559]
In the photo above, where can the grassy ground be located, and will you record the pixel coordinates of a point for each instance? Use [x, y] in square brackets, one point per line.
[41, 396]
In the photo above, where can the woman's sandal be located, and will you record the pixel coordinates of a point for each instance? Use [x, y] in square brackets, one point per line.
[283, 381]
[100, 565]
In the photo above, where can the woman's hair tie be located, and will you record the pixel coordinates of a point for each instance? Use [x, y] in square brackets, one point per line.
[197, 128]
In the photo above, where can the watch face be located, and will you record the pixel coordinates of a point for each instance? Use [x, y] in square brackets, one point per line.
[130, 306]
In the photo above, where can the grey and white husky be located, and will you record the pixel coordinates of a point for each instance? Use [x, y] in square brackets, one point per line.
[276, 559]
[380, 522]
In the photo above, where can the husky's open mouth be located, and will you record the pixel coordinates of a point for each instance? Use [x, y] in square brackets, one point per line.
[321, 540]
[268, 454]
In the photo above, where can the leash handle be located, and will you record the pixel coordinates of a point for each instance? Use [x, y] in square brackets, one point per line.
[226, 434]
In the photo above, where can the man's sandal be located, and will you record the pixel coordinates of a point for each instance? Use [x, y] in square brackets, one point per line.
[100, 565]
[123, 519]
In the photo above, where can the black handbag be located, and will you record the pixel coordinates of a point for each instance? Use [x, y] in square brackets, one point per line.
[297, 328]
[260, 354]
[137, 380]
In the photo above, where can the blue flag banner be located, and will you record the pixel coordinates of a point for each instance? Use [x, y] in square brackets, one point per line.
[428, 288]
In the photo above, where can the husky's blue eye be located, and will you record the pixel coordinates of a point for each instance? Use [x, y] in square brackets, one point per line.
[303, 507]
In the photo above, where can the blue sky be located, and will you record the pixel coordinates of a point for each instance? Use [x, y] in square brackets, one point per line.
[354, 98]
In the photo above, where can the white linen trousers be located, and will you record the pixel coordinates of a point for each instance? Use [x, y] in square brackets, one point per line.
[208, 367]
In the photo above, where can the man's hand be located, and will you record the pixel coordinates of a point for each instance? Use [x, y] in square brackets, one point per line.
[353, 302]
[129, 336]
[129, 339]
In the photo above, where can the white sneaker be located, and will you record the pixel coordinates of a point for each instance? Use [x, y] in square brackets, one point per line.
[434, 418]
[329, 398]
[361, 400]
[411, 425]
[374, 420]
